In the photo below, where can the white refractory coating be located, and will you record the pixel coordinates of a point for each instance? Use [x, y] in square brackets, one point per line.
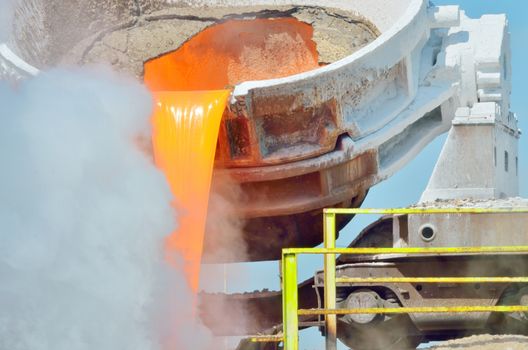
[512, 202]
[13, 67]
[45, 29]
[402, 90]
[384, 14]
[479, 158]
[444, 16]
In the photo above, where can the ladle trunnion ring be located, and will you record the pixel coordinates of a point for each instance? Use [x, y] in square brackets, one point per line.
[326, 136]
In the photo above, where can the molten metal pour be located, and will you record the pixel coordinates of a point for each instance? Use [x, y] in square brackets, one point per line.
[186, 123]
[185, 129]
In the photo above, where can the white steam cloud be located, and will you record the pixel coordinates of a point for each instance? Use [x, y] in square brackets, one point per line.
[6, 18]
[83, 216]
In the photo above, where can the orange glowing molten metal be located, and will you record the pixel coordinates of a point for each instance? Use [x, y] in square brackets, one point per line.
[185, 127]
[186, 123]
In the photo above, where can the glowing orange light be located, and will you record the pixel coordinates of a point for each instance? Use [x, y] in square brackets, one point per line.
[185, 130]
[235, 51]
[186, 124]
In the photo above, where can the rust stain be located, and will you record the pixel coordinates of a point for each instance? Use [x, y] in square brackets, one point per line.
[314, 125]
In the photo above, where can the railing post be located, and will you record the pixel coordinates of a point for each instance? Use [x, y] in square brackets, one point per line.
[290, 302]
[329, 229]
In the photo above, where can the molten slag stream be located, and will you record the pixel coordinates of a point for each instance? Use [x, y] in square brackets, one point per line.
[185, 131]
[186, 123]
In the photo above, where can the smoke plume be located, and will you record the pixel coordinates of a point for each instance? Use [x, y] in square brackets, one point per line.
[83, 217]
[6, 18]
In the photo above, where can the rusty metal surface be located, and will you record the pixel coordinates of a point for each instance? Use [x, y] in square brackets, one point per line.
[263, 238]
[314, 184]
[281, 205]
[271, 127]
[440, 294]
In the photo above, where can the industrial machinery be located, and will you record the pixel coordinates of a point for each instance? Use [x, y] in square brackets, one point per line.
[478, 165]
[297, 144]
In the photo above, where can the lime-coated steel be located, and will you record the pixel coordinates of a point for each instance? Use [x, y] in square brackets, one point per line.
[432, 280]
[329, 280]
[412, 310]
[409, 250]
[267, 339]
[399, 211]
[289, 268]
[290, 302]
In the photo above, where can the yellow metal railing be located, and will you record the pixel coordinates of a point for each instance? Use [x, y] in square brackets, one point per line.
[290, 301]
[266, 339]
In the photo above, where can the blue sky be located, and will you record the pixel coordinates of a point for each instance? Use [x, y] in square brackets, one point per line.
[406, 186]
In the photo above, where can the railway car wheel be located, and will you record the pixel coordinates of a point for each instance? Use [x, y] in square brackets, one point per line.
[396, 333]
